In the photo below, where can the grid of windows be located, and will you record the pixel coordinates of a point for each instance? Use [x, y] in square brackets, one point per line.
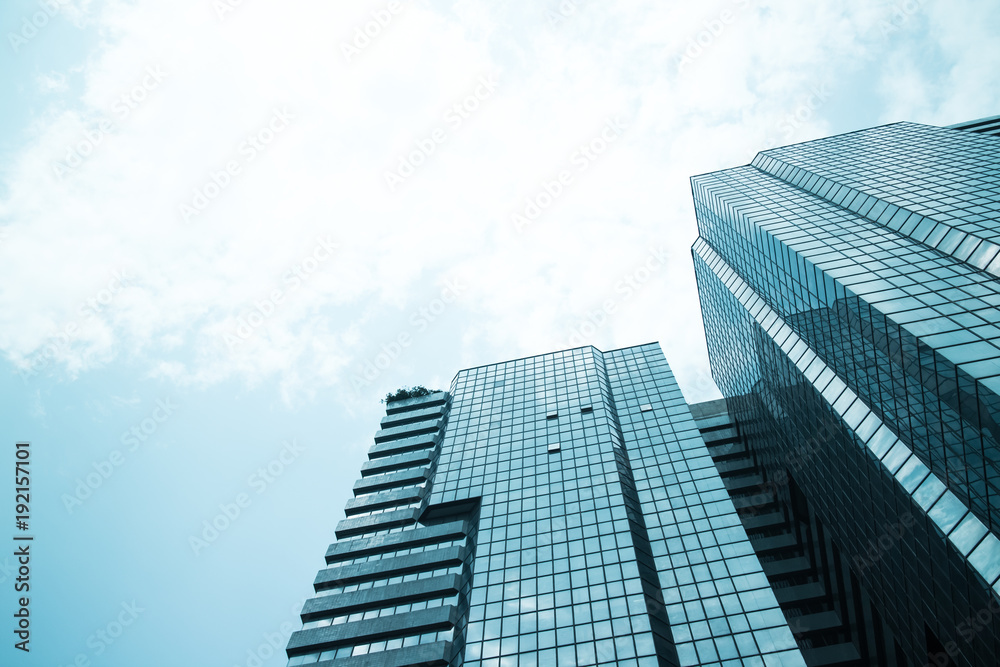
[402, 552]
[719, 602]
[864, 494]
[556, 580]
[368, 614]
[937, 185]
[917, 334]
[598, 533]
[569, 540]
[848, 302]
[351, 650]
[384, 510]
[368, 495]
[386, 581]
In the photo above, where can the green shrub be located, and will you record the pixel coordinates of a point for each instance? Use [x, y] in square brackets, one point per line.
[403, 393]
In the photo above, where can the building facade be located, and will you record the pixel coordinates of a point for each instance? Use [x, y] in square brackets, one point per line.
[851, 300]
[555, 510]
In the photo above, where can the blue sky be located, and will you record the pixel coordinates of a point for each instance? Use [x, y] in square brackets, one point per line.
[231, 227]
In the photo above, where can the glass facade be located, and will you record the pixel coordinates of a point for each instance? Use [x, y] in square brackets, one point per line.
[852, 310]
[831, 617]
[555, 510]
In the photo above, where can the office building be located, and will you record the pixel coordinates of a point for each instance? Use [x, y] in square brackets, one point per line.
[851, 301]
[838, 507]
[555, 510]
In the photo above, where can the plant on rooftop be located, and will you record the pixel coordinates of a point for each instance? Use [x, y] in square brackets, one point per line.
[403, 393]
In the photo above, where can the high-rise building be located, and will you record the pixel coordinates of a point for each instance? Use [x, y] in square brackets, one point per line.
[839, 507]
[555, 510]
[989, 125]
[851, 300]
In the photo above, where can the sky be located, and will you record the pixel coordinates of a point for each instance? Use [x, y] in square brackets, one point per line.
[229, 227]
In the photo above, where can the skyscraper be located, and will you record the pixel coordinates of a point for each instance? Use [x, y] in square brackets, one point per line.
[851, 300]
[554, 510]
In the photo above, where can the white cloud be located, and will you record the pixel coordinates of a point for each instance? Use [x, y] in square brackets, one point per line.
[220, 82]
[53, 82]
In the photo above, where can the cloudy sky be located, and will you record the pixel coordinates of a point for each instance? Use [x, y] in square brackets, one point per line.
[228, 227]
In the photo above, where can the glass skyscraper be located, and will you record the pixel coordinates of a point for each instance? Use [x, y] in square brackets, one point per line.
[561, 510]
[839, 507]
[851, 300]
